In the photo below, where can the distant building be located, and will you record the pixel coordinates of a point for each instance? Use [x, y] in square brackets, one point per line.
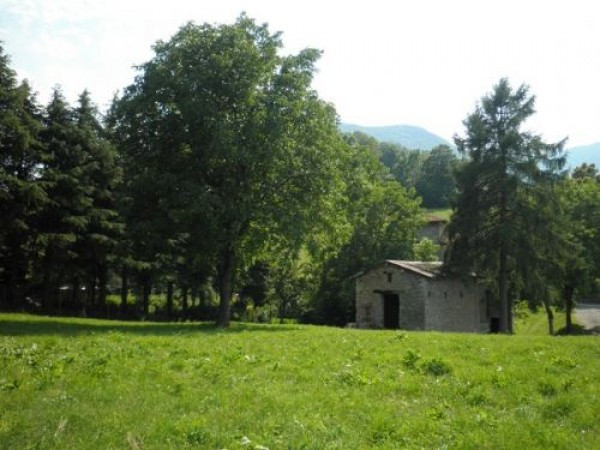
[435, 230]
[416, 295]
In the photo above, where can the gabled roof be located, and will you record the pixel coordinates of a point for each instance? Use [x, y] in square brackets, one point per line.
[429, 269]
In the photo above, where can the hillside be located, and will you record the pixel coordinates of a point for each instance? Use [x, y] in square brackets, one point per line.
[76, 383]
[407, 135]
[584, 154]
[414, 137]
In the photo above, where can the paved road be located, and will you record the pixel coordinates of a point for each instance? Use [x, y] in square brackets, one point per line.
[588, 316]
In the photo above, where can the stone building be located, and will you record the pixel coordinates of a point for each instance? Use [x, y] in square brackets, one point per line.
[435, 230]
[415, 295]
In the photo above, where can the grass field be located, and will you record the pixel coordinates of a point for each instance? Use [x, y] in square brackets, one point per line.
[536, 323]
[75, 383]
[443, 213]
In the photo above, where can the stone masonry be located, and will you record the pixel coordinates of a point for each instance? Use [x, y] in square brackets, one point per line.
[427, 300]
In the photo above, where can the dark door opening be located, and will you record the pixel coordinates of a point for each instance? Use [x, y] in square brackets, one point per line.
[494, 325]
[391, 311]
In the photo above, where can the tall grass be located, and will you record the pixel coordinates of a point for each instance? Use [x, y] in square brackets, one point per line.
[75, 383]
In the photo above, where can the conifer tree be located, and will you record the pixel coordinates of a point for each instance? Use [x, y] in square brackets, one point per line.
[65, 218]
[504, 193]
[101, 175]
[21, 191]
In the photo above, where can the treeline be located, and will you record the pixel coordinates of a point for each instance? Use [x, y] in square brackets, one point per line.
[216, 185]
[431, 173]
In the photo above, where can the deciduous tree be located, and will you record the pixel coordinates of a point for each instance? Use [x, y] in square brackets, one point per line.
[219, 117]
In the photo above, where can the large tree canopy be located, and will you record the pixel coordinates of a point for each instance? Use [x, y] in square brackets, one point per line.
[230, 140]
[504, 199]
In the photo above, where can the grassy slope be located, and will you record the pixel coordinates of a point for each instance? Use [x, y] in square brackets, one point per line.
[68, 383]
[537, 323]
[443, 213]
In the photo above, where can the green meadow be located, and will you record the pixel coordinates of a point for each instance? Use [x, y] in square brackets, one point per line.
[81, 383]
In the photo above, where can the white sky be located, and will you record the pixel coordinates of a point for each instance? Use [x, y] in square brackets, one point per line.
[421, 62]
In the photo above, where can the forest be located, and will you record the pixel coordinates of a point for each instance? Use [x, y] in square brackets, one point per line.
[217, 186]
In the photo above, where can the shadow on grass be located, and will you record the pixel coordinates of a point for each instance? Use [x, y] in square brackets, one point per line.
[77, 327]
[578, 330]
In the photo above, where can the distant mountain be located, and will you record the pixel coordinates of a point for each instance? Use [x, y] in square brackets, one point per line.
[584, 154]
[409, 136]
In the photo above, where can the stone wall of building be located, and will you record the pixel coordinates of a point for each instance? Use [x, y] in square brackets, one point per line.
[425, 303]
[450, 305]
[433, 231]
[391, 279]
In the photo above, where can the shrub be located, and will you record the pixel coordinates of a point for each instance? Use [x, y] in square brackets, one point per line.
[410, 359]
[436, 367]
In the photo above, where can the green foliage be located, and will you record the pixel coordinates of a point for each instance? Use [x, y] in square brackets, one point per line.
[437, 185]
[435, 367]
[535, 322]
[100, 384]
[425, 250]
[228, 145]
[503, 226]
[217, 159]
[429, 172]
[384, 219]
[410, 359]
[580, 267]
[586, 171]
[22, 193]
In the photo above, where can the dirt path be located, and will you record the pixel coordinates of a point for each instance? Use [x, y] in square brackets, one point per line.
[588, 316]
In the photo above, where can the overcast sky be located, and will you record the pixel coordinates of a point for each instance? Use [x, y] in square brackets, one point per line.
[420, 62]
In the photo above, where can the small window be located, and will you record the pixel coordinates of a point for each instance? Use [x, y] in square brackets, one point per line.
[389, 276]
[445, 294]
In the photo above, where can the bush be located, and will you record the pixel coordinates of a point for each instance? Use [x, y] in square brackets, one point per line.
[410, 359]
[436, 367]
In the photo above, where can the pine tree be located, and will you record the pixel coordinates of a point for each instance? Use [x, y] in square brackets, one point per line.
[22, 193]
[503, 193]
[101, 175]
[65, 219]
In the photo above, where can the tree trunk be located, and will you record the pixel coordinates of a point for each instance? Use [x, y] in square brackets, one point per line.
[503, 293]
[102, 282]
[3, 303]
[146, 297]
[46, 287]
[203, 297]
[124, 289]
[225, 277]
[194, 295]
[75, 292]
[282, 311]
[170, 299]
[510, 314]
[550, 315]
[92, 290]
[184, 300]
[56, 297]
[12, 287]
[91, 294]
[568, 293]
[46, 269]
